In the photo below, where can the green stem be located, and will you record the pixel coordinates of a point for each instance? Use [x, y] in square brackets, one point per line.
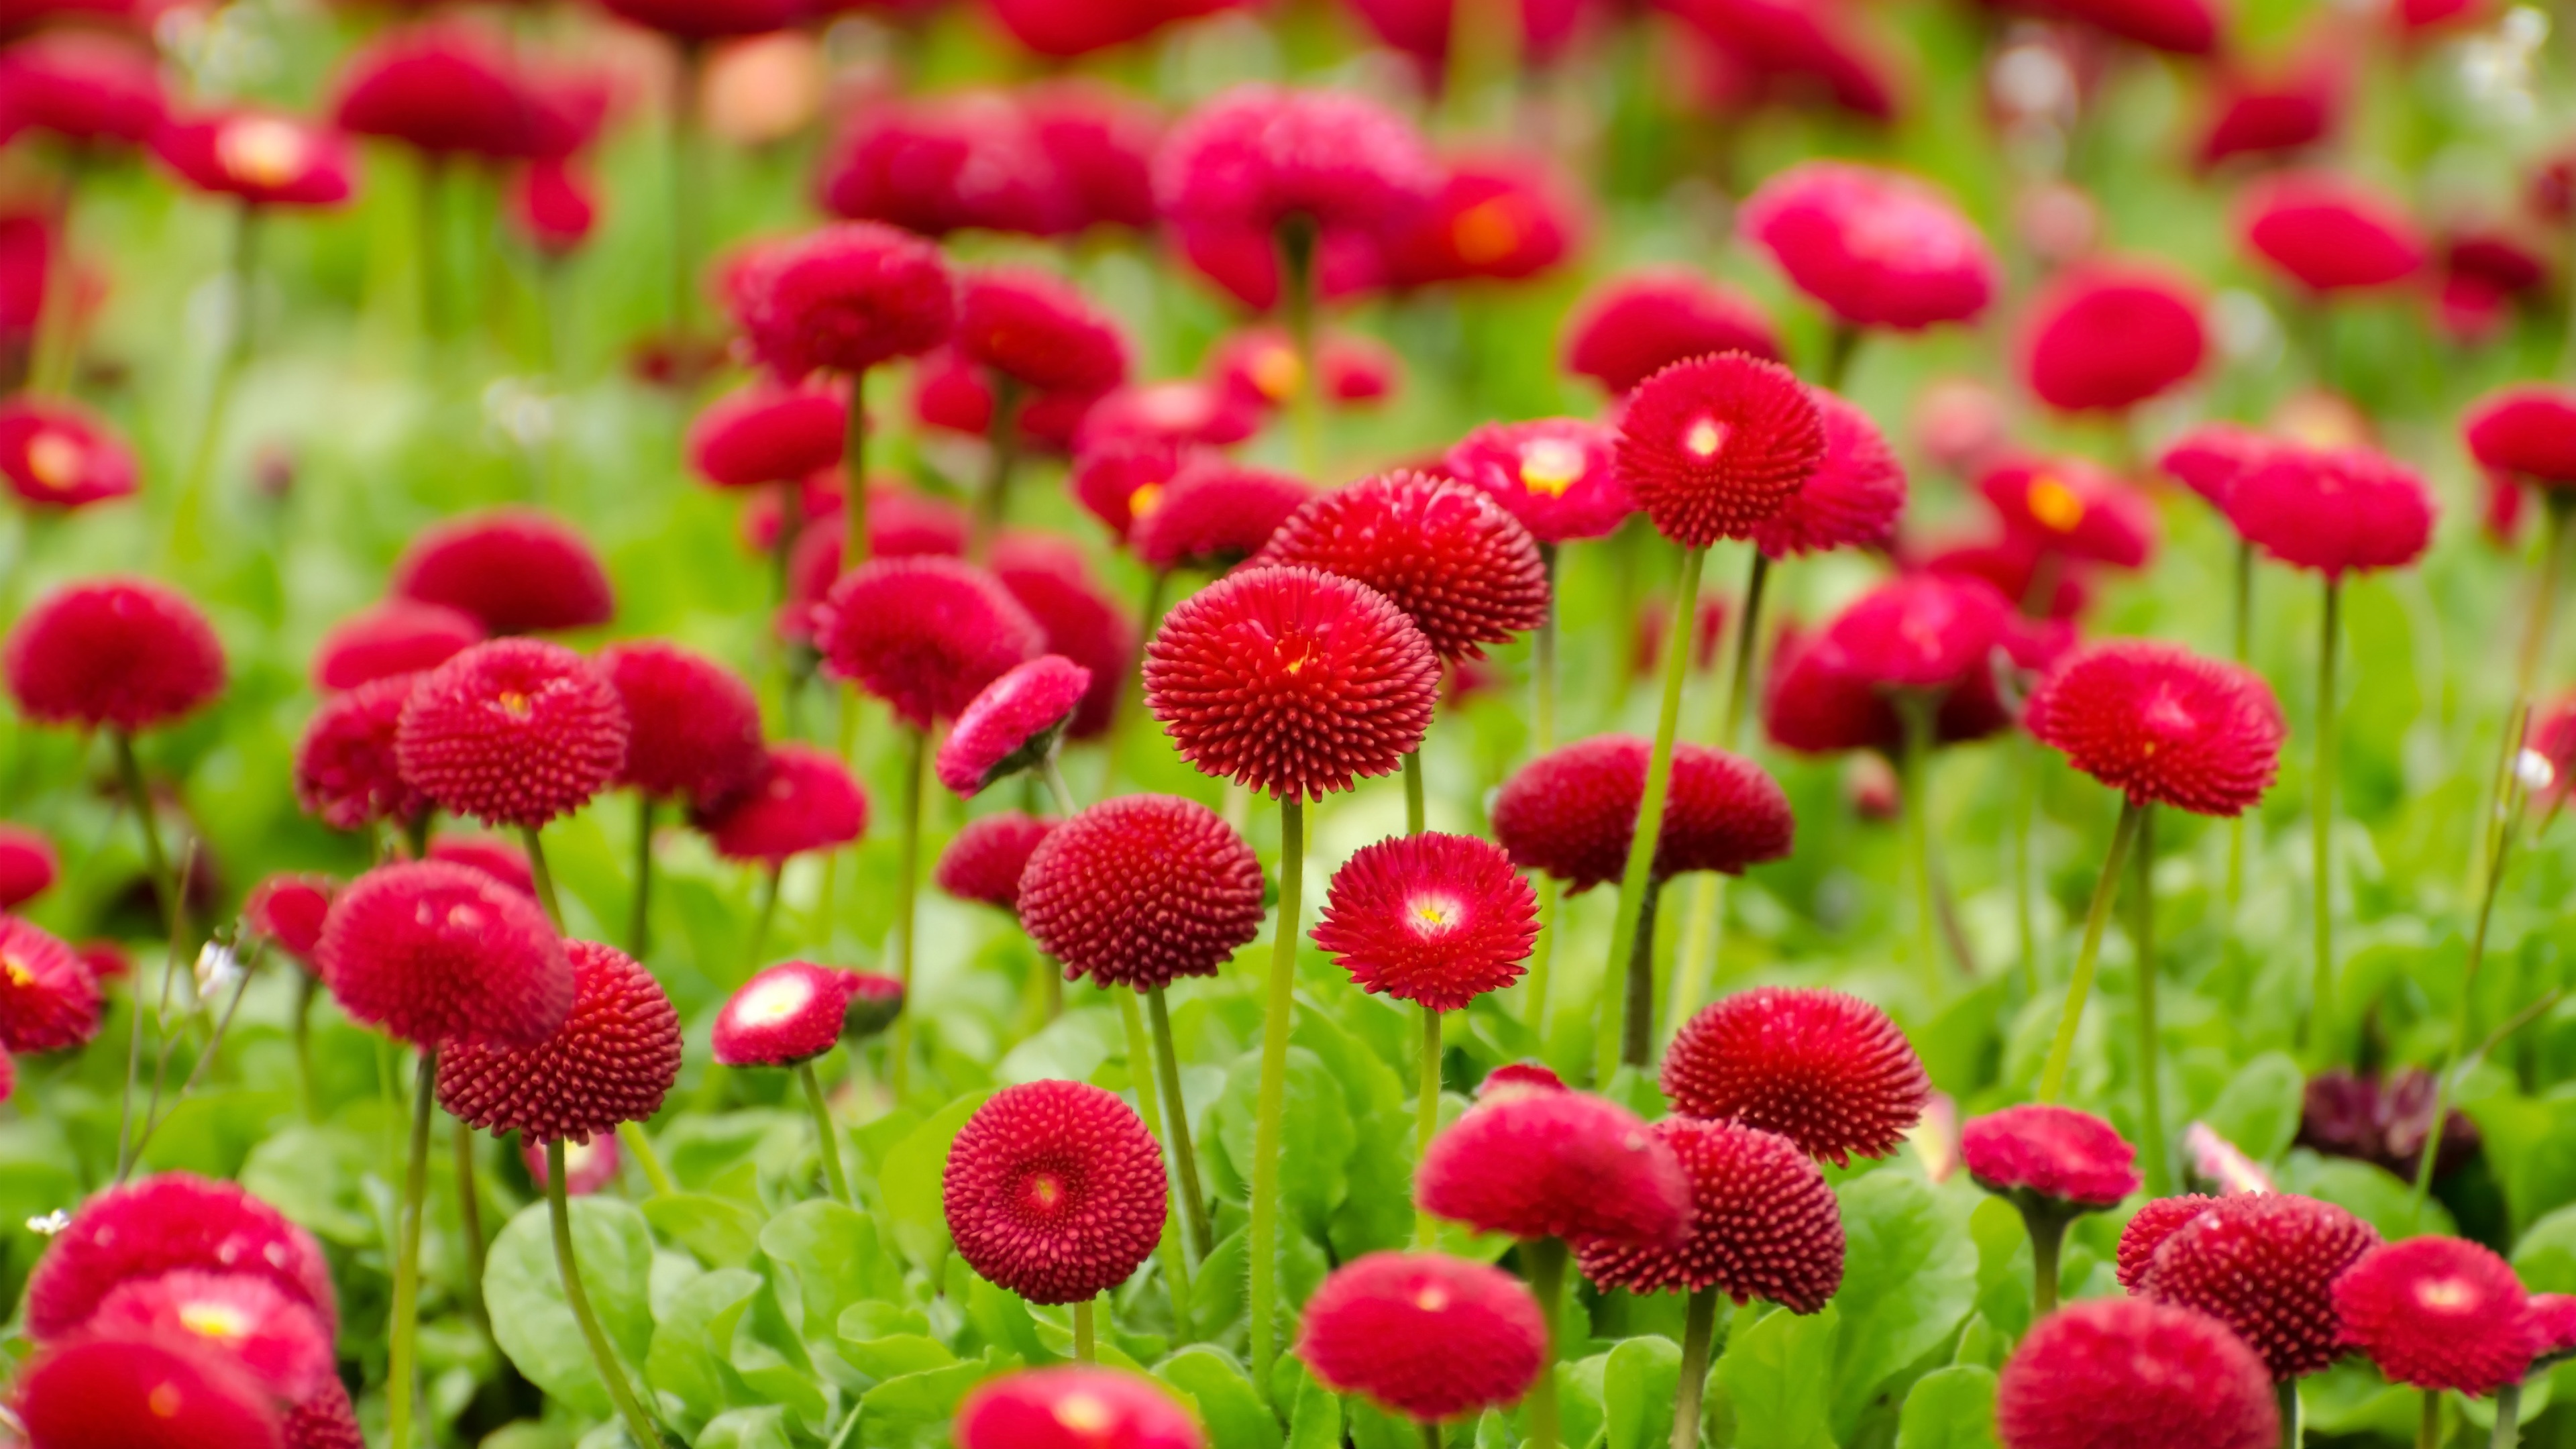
[854, 470]
[1426, 1116]
[1699, 1329]
[1543, 660]
[1140, 1070]
[827, 1137]
[1637, 1029]
[545, 878]
[170, 892]
[1052, 771]
[1002, 445]
[1085, 1344]
[1279, 1007]
[2428, 1429]
[768, 913]
[1297, 242]
[1542, 958]
[153, 1116]
[431, 217]
[1840, 348]
[1704, 930]
[2151, 1111]
[404, 1326]
[1415, 809]
[1430, 1433]
[2244, 655]
[907, 887]
[688, 189]
[186, 530]
[1745, 645]
[2025, 754]
[2508, 1418]
[56, 361]
[603, 1356]
[2052, 1077]
[1167, 1065]
[301, 1029]
[469, 1218]
[631, 1136]
[2285, 1395]
[1544, 1260]
[2047, 1234]
[1633, 881]
[1913, 785]
[2321, 998]
[639, 923]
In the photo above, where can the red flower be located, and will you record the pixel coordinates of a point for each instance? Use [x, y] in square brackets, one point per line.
[787, 1014]
[120, 653]
[1556, 1165]
[1558, 476]
[261, 157]
[1080, 622]
[555, 205]
[1853, 499]
[1428, 1336]
[443, 87]
[970, 160]
[27, 865]
[513, 732]
[1571, 812]
[1502, 214]
[1435, 919]
[923, 634]
[2334, 511]
[110, 1393]
[1013, 725]
[58, 455]
[1876, 248]
[692, 725]
[1065, 28]
[436, 954]
[396, 637]
[845, 298]
[1055, 1191]
[2552, 1318]
[613, 1060]
[988, 856]
[2075, 509]
[2327, 234]
[1121, 477]
[2527, 430]
[1039, 332]
[1141, 890]
[325, 1421]
[1422, 28]
[1260, 366]
[169, 1223]
[289, 909]
[490, 854]
[1212, 514]
[801, 799]
[1639, 323]
[1827, 1071]
[279, 1342]
[1291, 681]
[2279, 113]
[1716, 447]
[2117, 1371]
[875, 1002]
[348, 773]
[2111, 336]
[1744, 53]
[83, 86]
[1074, 1406]
[2147, 1230]
[2264, 1264]
[1763, 1223]
[49, 1001]
[1517, 1079]
[1818, 702]
[2212, 457]
[704, 20]
[763, 432]
[2162, 725]
[2056, 1154]
[1466, 572]
[515, 570]
[1925, 632]
[2437, 1313]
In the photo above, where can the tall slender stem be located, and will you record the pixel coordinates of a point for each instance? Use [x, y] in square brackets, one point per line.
[170, 893]
[545, 878]
[1746, 644]
[1415, 808]
[907, 886]
[1699, 1328]
[2508, 1418]
[1916, 712]
[1167, 1065]
[1634, 881]
[1051, 770]
[1297, 243]
[431, 217]
[300, 1026]
[2142, 931]
[1543, 660]
[2428, 1429]
[2321, 997]
[2052, 1077]
[854, 474]
[767, 915]
[404, 1325]
[469, 1218]
[1140, 1071]
[639, 922]
[2025, 756]
[56, 358]
[153, 1116]
[687, 187]
[1426, 1114]
[1002, 445]
[2047, 1235]
[2285, 1395]
[1544, 1260]
[1085, 1340]
[1637, 1023]
[827, 1136]
[1279, 1006]
[186, 534]
[1430, 1433]
[603, 1355]
[1705, 928]
[2244, 655]
[1551, 908]
[631, 1136]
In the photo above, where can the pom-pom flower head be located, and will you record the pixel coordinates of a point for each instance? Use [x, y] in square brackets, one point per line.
[435, 953]
[1055, 1191]
[613, 1060]
[693, 726]
[1763, 1223]
[27, 865]
[1140, 890]
[1556, 1165]
[2336, 511]
[2108, 338]
[1829, 1072]
[2071, 508]
[1291, 681]
[1074, 1407]
[348, 768]
[1637, 325]
[2056, 1155]
[1039, 333]
[1854, 496]
[2162, 725]
[844, 299]
[514, 570]
[2328, 235]
[2210, 459]
[55, 455]
[984, 862]
[875, 1002]
[1427, 1336]
[1212, 514]
[289, 910]
[2437, 1313]
[802, 798]
[2117, 1371]
[171, 1223]
[1558, 476]
[1876, 248]
[513, 732]
[1013, 725]
[2264, 1264]
[2146, 1231]
[114, 1392]
[396, 637]
[49, 1001]
[923, 634]
[280, 1342]
[1715, 447]
[763, 433]
[2527, 430]
[1571, 813]
[113, 653]
[1434, 919]
[1466, 572]
[261, 157]
[787, 1014]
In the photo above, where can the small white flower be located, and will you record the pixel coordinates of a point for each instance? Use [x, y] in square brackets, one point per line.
[216, 970]
[2532, 770]
[50, 1223]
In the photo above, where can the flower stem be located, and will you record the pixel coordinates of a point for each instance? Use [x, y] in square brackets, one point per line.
[2025, 753]
[1633, 881]
[827, 1137]
[1297, 243]
[1167, 1065]
[2047, 1234]
[1430, 1433]
[1002, 443]
[2285, 1394]
[301, 1030]
[1415, 808]
[1426, 1115]
[1699, 1328]
[639, 1424]
[1705, 928]
[2428, 1430]
[631, 1136]
[1916, 712]
[1544, 1260]
[404, 1326]
[1278, 1007]
[469, 1218]
[1543, 661]
[2052, 1077]
[2508, 1418]
[1637, 1033]
[639, 923]
[2244, 655]
[854, 476]
[1140, 1070]
[2142, 931]
[1542, 959]
[189, 508]
[768, 915]
[1052, 771]
[907, 885]
[2321, 998]
[545, 879]
[687, 191]
[138, 797]
[1085, 1349]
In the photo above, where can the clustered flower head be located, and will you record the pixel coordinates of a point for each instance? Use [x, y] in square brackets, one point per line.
[512, 732]
[801, 798]
[2162, 725]
[49, 999]
[114, 1391]
[787, 1014]
[1875, 248]
[1827, 1071]
[435, 953]
[1715, 447]
[1763, 1223]
[1571, 812]
[1141, 890]
[1636, 325]
[764, 432]
[1013, 725]
[1074, 1406]
[2122, 1371]
[1464, 570]
[112, 653]
[2147, 1228]
[2107, 337]
[2053, 1155]
[923, 634]
[348, 768]
[392, 638]
[513, 570]
[1428, 1336]
[1556, 1164]
[2335, 511]
[2437, 1313]
[2265, 1264]
[845, 298]
[27, 865]
[2527, 431]
[56, 455]
[174, 1222]
[289, 909]
[2327, 234]
[1853, 498]
[1055, 1191]
[1038, 332]
[2074, 509]
[1434, 919]
[985, 859]
[613, 1059]
[1558, 476]
[275, 1340]
[693, 726]
[1212, 513]
[262, 157]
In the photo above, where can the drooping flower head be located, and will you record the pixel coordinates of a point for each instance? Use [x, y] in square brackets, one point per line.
[2072, 508]
[348, 772]
[2119, 1371]
[1875, 248]
[1291, 681]
[1464, 570]
[398, 636]
[2162, 725]
[1556, 1165]
[2057, 1156]
[55, 454]
[125, 654]
[172, 1222]
[119, 1391]
[787, 1014]
[801, 798]
[923, 634]
[2107, 337]
[612, 1061]
[1074, 1406]
[2336, 511]
[2327, 234]
[49, 1000]
[1828, 1071]
[1434, 919]
[844, 298]
[515, 570]
[512, 732]
[435, 953]
[1571, 812]
[1558, 476]
[1055, 1191]
[1717, 446]
[1140, 890]
[1212, 513]
[1763, 1223]
[693, 726]
[1853, 498]
[264, 158]
[1637, 324]
[1013, 725]
[2264, 1264]
[289, 909]
[763, 432]
[1038, 332]
[1427, 1336]
[280, 1342]
[27, 865]
[2527, 430]
[2438, 1313]
[986, 859]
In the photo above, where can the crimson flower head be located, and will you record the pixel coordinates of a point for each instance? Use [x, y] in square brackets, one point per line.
[764, 432]
[1055, 1191]
[692, 725]
[1037, 331]
[2119, 1371]
[57, 454]
[2328, 234]
[261, 157]
[125, 654]
[2162, 725]
[613, 1060]
[1141, 890]
[49, 1001]
[1571, 812]
[875, 1002]
[513, 732]
[1428, 1336]
[348, 767]
[1876, 248]
[2265, 1264]
[1212, 513]
[787, 1014]
[2210, 459]
[986, 859]
[1556, 1165]
[2438, 1313]
[923, 634]
[2336, 510]
[396, 637]
[1639, 323]
[2147, 1228]
[1013, 725]
[1716, 447]
[171, 1223]
[436, 954]
[1074, 1406]
[2552, 1317]
[2056, 1155]
[289, 909]
[500, 859]
[279, 1342]
[2073, 508]
[1763, 1223]
[515, 570]
[2527, 430]
[554, 204]
[445, 88]
[86, 87]
[937, 165]
[1291, 681]
[1079, 620]
[1854, 496]
[704, 20]
[1435, 919]
[1465, 571]
[115, 1391]
[1827, 1071]
[1931, 634]
[800, 799]
[27, 865]
[1558, 476]
[844, 299]
[2108, 337]
[1500, 214]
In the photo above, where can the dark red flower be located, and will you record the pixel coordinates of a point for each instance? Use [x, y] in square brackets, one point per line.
[988, 856]
[1854, 498]
[2328, 234]
[801, 799]
[1639, 323]
[555, 205]
[787, 1014]
[1101, 141]
[1260, 366]
[500, 859]
[613, 1060]
[2212, 457]
[1428, 1336]
[2527, 430]
[1827, 1071]
[2552, 1319]
[444, 87]
[763, 432]
[2264, 1264]
[692, 725]
[348, 772]
[437, 954]
[325, 1421]
[1558, 476]
[1763, 1223]
[875, 1002]
[1141, 890]
[2073, 508]
[1556, 1165]
[1499, 214]
[49, 1001]
[1716, 447]
[27, 865]
[2056, 1154]
[1434, 919]
[279, 1342]
[2438, 1313]
[1212, 514]
[705, 20]
[1055, 1191]
[1065, 28]
[2162, 725]
[2111, 336]
[1039, 332]
[123, 1393]
[2333, 510]
[264, 158]
[512, 732]
[845, 298]
[1466, 572]
[901, 524]
[923, 634]
[172, 1222]
[1081, 622]
[1013, 725]
[1518, 1079]
[965, 160]
[1291, 681]
[2147, 1230]
[1571, 812]
[1177, 412]
[56, 454]
[2118, 1371]
[85, 86]
[1876, 248]
[1746, 53]
[1074, 1406]
[515, 570]
[289, 909]
[122, 653]
[396, 637]
[2274, 113]
[1818, 702]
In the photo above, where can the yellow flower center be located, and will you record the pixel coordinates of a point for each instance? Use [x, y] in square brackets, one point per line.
[1435, 915]
[774, 1000]
[214, 1320]
[1144, 500]
[1276, 372]
[2446, 1295]
[17, 971]
[1084, 1414]
[55, 459]
[2054, 504]
[1046, 1189]
[164, 1401]
[1488, 231]
[1704, 439]
[263, 150]
[1432, 1299]
[1550, 465]
[514, 704]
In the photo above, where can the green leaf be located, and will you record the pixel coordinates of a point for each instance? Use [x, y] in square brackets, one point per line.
[1949, 1408]
[311, 1174]
[2003, 1266]
[2366, 1190]
[722, 1232]
[2258, 1109]
[1637, 1388]
[1778, 1375]
[914, 1411]
[1220, 1284]
[1316, 1421]
[689, 1360]
[914, 1171]
[1909, 1276]
[2545, 1256]
[763, 1427]
[1316, 1134]
[826, 1258]
[529, 1318]
[897, 1354]
[1234, 1414]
